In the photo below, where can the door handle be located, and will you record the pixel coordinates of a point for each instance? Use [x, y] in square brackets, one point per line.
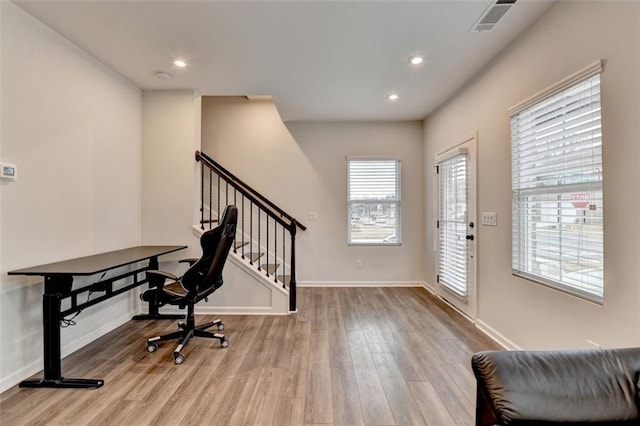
[470, 237]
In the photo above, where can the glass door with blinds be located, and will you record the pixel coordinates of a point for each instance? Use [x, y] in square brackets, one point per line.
[456, 226]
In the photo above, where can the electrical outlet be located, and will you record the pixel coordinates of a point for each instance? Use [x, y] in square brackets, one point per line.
[489, 219]
[358, 263]
[313, 216]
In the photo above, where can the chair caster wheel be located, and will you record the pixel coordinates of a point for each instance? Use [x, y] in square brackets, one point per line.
[224, 343]
[152, 347]
[178, 358]
[220, 327]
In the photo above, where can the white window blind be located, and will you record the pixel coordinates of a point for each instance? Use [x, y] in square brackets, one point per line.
[374, 195]
[556, 154]
[453, 271]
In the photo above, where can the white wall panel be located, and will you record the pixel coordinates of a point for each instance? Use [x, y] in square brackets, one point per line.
[569, 37]
[302, 168]
[73, 128]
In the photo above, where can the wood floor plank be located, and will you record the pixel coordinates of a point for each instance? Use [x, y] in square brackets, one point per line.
[215, 405]
[240, 346]
[264, 397]
[347, 409]
[233, 407]
[348, 300]
[192, 398]
[319, 397]
[210, 381]
[297, 415]
[431, 406]
[403, 406]
[295, 375]
[373, 399]
[283, 412]
[374, 356]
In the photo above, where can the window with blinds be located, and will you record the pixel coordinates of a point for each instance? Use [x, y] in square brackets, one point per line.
[374, 198]
[453, 271]
[556, 154]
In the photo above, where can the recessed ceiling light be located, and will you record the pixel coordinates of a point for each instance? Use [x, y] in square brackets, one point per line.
[415, 60]
[180, 63]
[393, 97]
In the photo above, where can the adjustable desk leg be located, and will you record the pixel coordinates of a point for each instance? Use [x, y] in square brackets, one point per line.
[152, 305]
[54, 286]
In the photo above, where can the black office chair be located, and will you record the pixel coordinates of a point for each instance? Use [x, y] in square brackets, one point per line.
[199, 281]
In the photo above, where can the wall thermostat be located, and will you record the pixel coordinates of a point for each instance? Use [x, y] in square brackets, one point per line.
[8, 172]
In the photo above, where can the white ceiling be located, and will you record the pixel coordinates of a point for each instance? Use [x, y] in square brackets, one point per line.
[320, 60]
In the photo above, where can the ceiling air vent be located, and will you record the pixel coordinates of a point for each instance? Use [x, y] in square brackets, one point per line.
[492, 15]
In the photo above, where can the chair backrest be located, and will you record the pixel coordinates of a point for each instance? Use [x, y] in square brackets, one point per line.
[205, 276]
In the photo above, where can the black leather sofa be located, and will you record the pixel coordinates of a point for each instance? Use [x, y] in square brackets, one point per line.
[571, 387]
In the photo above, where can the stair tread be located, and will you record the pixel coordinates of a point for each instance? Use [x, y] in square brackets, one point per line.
[284, 279]
[254, 256]
[203, 221]
[270, 268]
[239, 244]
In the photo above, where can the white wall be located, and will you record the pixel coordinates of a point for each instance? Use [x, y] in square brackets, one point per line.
[73, 127]
[170, 138]
[302, 168]
[569, 37]
[170, 206]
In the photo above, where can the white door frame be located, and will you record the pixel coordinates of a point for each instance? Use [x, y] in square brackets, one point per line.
[469, 305]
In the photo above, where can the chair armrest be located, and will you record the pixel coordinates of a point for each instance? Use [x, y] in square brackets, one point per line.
[189, 260]
[161, 274]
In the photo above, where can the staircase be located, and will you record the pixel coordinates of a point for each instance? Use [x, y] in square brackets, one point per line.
[265, 245]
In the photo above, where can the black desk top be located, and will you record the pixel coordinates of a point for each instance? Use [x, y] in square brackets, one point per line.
[97, 263]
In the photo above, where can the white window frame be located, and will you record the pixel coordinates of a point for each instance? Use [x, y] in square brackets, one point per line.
[397, 201]
[551, 162]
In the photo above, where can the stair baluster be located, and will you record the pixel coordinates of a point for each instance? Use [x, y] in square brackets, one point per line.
[218, 199]
[284, 257]
[267, 250]
[202, 198]
[243, 234]
[259, 246]
[210, 198]
[275, 248]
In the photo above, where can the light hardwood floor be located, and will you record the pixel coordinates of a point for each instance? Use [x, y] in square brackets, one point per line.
[350, 356]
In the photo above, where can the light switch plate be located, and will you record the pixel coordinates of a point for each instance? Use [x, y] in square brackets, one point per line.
[489, 219]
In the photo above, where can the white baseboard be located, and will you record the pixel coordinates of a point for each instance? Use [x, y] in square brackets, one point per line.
[430, 288]
[480, 325]
[21, 374]
[35, 366]
[361, 284]
[496, 336]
